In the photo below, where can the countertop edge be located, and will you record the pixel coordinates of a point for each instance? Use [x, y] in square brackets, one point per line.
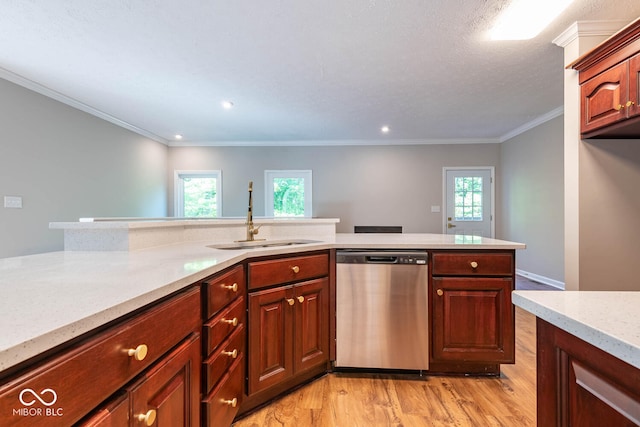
[605, 341]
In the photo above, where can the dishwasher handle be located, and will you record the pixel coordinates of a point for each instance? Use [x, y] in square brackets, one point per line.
[381, 259]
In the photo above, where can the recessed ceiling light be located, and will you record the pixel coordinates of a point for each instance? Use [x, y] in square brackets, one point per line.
[524, 19]
[385, 129]
[178, 136]
[227, 105]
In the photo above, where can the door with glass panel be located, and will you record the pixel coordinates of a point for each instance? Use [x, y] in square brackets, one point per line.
[469, 202]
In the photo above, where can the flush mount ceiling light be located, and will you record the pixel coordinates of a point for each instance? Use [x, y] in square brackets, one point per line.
[177, 136]
[385, 129]
[524, 19]
[227, 105]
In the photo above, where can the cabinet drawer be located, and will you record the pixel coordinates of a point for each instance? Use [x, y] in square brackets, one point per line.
[114, 413]
[221, 407]
[219, 328]
[472, 264]
[221, 290]
[216, 365]
[272, 272]
[88, 373]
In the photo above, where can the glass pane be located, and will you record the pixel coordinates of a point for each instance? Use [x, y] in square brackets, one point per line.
[200, 197]
[288, 196]
[468, 198]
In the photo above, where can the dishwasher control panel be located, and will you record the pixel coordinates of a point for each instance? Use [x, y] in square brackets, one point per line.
[382, 257]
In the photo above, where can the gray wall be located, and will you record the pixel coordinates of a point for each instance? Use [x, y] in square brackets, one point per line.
[361, 185]
[533, 198]
[609, 207]
[68, 164]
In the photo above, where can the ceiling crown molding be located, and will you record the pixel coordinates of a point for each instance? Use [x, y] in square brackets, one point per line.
[50, 93]
[588, 28]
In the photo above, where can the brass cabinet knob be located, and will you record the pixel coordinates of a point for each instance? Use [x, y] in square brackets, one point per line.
[474, 264]
[301, 298]
[619, 107]
[232, 322]
[149, 418]
[232, 288]
[139, 353]
[629, 103]
[232, 354]
[295, 269]
[291, 301]
[439, 292]
[233, 402]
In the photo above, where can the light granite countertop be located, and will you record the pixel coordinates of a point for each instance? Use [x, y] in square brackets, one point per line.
[606, 320]
[48, 299]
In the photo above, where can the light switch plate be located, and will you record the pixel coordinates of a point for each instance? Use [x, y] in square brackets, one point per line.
[14, 202]
[435, 209]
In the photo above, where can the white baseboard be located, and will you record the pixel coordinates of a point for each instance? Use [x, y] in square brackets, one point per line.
[541, 279]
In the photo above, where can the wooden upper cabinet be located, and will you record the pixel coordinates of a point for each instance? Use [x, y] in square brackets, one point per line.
[604, 98]
[608, 77]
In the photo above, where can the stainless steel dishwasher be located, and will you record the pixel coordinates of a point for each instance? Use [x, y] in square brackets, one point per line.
[382, 309]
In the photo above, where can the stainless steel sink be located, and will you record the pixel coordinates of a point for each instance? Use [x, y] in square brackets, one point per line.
[261, 244]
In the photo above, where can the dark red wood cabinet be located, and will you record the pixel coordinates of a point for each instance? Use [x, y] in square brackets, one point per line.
[609, 91]
[581, 385]
[472, 320]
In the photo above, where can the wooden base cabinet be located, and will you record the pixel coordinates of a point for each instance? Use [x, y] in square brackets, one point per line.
[144, 368]
[581, 385]
[289, 332]
[287, 324]
[472, 316]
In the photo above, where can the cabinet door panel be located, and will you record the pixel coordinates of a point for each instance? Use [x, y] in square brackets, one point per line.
[270, 337]
[473, 320]
[603, 98]
[171, 388]
[634, 86]
[311, 346]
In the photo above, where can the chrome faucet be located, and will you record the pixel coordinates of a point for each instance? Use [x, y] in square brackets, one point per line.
[251, 230]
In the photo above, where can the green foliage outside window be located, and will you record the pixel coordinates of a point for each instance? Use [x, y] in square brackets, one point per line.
[468, 198]
[200, 197]
[288, 197]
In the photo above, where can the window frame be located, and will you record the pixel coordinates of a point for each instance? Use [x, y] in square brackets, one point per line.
[178, 189]
[270, 175]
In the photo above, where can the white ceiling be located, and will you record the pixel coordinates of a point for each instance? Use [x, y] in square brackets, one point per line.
[297, 70]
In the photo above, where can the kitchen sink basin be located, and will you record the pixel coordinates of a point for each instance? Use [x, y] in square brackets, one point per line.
[261, 244]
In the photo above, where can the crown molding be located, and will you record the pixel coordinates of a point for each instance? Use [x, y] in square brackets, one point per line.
[332, 142]
[588, 28]
[533, 123]
[50, 93]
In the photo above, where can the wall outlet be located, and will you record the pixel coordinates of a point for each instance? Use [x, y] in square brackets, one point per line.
[14, 202]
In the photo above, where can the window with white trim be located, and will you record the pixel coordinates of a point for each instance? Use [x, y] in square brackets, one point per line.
[197, 194]
[288, 193]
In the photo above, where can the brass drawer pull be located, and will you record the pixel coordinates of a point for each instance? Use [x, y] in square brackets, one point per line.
[291, 301]
[233, 288]
[232, 354]
[629, 104]
[439, 292]
[233, 402]
[618, 107]
[295, 269]
[301, 298]
[474, 264]
[139, 353]
[149, 418]
[232, 322]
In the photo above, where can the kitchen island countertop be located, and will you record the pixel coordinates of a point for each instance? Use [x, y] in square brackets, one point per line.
[607, 320]
[53, 297]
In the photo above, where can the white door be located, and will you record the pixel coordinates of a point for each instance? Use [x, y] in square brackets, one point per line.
[469, 202]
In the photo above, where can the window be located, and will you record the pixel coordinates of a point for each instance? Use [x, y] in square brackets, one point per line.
[197, 194]
[288, 193]
[468, 198]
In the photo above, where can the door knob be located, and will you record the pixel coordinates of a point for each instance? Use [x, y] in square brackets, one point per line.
[449, 225]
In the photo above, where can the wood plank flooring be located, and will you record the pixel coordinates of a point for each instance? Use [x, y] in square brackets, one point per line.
[353, 400]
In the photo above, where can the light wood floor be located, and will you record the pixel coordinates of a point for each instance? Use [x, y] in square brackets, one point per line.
[350, 400]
